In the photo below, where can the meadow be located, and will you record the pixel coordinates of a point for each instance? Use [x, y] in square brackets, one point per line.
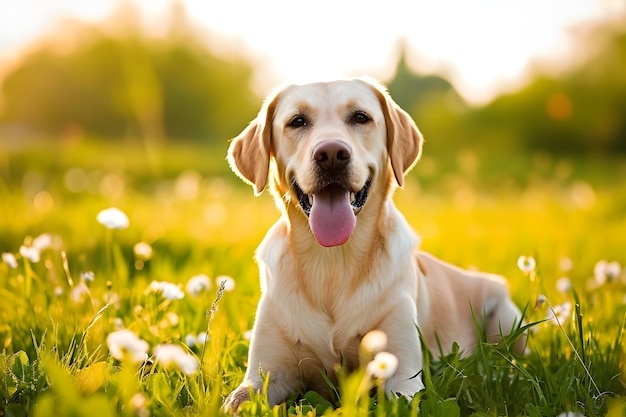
[146, 311]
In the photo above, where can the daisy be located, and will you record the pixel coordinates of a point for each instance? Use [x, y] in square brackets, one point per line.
[31, 253]
[9, 259]
[605, 271]
[113, 218]
[198, 284]
[143, 251]
[559, 314]
[173, 356]
[526, 264]
[167, 290]
[125, 345]
[383, 366]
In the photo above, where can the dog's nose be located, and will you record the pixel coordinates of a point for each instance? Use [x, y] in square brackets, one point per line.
[332, 154]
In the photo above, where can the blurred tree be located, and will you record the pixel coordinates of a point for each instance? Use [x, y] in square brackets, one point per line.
[432, 101]
[581, 109]
[116, 82]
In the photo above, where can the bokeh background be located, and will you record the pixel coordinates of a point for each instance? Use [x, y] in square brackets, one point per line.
[132, 103]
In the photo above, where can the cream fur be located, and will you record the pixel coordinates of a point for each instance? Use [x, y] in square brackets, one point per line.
[317, 302]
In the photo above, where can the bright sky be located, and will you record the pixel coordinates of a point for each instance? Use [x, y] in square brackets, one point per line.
[482, 46]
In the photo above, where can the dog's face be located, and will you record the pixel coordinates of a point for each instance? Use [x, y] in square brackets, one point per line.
[327, 146]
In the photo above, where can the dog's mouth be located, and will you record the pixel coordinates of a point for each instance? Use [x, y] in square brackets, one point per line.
[332, 210]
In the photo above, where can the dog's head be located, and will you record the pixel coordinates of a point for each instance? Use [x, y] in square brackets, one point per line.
[327, 147]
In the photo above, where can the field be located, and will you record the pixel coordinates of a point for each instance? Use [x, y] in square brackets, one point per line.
[181, 280]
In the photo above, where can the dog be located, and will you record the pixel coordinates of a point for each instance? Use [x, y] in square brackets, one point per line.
[342, 261]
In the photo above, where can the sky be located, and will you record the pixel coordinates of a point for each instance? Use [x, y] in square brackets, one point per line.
[483, 46]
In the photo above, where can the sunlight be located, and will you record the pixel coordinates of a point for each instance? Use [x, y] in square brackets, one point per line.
[482, 47]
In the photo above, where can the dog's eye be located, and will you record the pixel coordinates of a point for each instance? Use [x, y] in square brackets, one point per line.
[298, 121]
[360, 118]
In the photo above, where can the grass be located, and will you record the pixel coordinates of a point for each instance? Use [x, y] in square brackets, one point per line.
[473, 209]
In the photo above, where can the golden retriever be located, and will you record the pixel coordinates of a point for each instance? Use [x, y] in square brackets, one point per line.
[341, 260]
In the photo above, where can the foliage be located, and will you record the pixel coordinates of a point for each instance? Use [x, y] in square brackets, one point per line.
[474, 209]
[117, 81]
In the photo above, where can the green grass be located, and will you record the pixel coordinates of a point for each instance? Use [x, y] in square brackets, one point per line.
[472, 209]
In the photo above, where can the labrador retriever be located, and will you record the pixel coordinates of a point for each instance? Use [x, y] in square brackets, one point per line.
[341, 260]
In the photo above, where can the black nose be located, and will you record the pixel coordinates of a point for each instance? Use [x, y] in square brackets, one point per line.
[332, 155]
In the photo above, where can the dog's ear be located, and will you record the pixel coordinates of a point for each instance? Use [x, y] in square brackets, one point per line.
[249, 153]
[404, 140]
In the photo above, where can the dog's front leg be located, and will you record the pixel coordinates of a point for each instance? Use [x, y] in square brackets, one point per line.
[403, 342]
[269, 357]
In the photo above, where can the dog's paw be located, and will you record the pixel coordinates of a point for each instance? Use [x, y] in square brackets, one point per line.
[235, 398]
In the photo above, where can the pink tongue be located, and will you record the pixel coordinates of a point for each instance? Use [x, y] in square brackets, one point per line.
[332, 219]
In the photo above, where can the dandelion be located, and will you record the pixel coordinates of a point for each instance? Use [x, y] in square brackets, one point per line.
[198, 284]
[9, 259]
[563, 285]
[31, 253]
[229, 282]
[605, 271]
[87, 276]
[167, 290]
[43, 241]
[383, 366]
[113, 218]
[526, 264]
[374, 341]
[559, 314]
[118, 323]
[142, 251]
[173, 356]
[125, 345]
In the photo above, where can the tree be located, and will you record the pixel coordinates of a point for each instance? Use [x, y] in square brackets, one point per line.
[116, 82]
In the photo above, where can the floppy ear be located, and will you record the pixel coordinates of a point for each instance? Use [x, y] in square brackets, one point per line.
[249, 153]
[404, 140]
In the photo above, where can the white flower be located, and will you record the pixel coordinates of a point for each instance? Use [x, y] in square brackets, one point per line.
[9, 259]
[124, 344]
[229, 282]
[247, 335]
[167, 290]
[374, 341]
[526, 264]
[198, 284]
[43, 241]
[192, 340]
[383, 366]
[563, 284]
[605, 271]
[143, 251]
[87, 276]
[113, 218]
[559, 314]
[31, 253]
[170, 356]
